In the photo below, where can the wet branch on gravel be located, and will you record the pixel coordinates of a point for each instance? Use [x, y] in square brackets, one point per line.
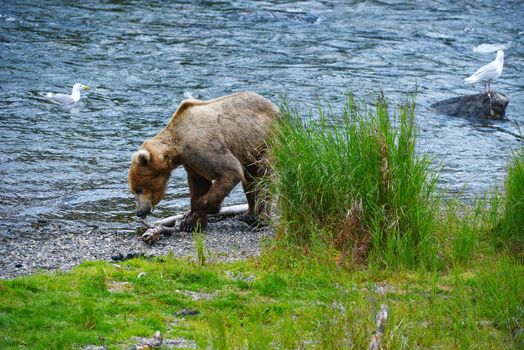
[169, 225]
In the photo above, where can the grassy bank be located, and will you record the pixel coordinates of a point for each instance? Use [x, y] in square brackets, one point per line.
[360, 225]
[257, 305]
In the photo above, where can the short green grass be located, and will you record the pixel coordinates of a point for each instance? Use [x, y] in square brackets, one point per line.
[450, 274]
[258, 305]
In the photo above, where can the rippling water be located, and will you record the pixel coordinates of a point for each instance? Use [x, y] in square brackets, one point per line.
[68, 165]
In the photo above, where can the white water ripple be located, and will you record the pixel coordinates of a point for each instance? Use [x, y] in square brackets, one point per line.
[487, 48]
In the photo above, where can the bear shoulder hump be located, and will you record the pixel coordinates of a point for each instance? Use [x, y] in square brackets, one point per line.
[187, 104]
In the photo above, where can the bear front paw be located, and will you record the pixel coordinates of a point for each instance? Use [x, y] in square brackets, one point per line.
[192, 221]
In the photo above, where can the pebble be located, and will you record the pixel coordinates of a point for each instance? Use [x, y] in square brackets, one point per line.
[187, 312]
[24, 253]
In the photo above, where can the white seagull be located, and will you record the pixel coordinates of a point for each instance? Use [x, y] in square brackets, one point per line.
[488, 73]
[67, 99]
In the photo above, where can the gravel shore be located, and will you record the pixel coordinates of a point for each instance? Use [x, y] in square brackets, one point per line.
[226, 239]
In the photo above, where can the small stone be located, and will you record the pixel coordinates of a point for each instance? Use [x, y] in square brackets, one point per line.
[146, 344]
[94, 347]
[117, 257]
[157, 339]
[143, 347]
[187, 312]
[132, 255]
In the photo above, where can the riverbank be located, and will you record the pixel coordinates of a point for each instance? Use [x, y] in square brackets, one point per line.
[227, 239]
[274, 301]
[361, 228]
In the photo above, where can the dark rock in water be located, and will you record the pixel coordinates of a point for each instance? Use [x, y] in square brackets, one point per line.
[490, 105]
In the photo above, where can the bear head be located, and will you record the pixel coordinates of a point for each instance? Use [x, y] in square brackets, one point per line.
[147, 179]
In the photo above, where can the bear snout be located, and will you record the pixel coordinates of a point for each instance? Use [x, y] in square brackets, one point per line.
[143, 209]
[142, 213]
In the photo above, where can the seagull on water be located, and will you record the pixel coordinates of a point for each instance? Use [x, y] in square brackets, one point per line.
[65, 98]
[488, 73]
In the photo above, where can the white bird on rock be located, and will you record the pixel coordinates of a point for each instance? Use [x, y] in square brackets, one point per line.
[65, 98]
[488, 73]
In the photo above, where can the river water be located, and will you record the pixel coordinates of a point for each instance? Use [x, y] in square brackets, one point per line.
[68, 165]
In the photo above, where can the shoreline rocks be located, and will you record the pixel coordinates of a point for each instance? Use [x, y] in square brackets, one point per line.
[227, 240]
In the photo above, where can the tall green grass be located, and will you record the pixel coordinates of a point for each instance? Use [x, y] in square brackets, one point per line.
[512, 230]
[355, 182]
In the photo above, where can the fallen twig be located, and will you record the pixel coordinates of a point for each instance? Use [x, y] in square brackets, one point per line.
[225, 211]
[168, 225]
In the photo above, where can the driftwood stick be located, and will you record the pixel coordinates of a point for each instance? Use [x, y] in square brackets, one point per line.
[382, 317]
[226, 211]
[153, 233]
[167, 226]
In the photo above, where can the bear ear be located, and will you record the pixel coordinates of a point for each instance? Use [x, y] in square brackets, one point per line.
[142, 157]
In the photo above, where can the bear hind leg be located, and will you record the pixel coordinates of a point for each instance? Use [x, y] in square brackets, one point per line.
[255, 195]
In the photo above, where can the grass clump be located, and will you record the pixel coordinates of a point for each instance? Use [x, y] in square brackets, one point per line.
[512, 228]
[354, 182]
[465, 230]
[494, 221]
[200, 247]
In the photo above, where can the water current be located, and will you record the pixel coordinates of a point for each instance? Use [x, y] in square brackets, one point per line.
[68, 165]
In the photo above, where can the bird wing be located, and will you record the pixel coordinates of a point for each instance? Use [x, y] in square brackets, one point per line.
[59, 98]
[484, 73]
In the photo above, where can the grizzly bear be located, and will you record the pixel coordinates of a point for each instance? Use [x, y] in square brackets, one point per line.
[220, 143]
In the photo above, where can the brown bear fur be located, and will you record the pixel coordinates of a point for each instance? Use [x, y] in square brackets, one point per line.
[220, 143]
